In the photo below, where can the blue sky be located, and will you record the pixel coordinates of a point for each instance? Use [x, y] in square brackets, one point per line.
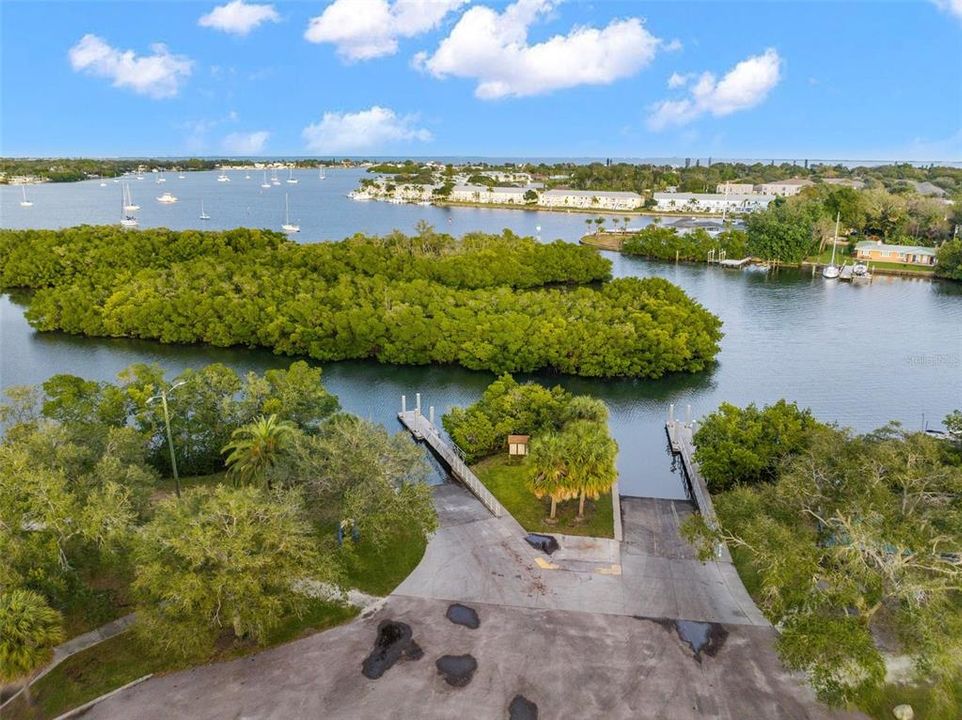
[851, 80]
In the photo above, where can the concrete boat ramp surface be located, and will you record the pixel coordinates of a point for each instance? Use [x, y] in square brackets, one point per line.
[596, 630]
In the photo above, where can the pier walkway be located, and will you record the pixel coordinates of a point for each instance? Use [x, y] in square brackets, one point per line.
[423, 429]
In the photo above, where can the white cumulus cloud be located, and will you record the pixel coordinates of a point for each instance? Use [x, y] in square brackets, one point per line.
[158, 75]
[365, 29]
[743, 87]
[953, 7]
[245, 143]
[238, 17]
[678, 80]
[368, 129]
[493, 48]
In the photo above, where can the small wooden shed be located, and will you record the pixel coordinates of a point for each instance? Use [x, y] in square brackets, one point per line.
[518, 444]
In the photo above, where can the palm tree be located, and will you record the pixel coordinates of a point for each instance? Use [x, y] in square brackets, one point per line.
[256, 447]
[548, 470]
[591, 455]
[29, 630]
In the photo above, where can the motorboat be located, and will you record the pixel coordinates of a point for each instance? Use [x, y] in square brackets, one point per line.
[167, 199]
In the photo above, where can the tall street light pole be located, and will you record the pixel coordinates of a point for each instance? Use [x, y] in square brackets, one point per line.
[162, 396]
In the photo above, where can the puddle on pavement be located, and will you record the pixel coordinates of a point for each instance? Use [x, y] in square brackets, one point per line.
[457, 669]
[704, 638]
[545, 543]
[463, 615]
[522, 709]
[394, 641]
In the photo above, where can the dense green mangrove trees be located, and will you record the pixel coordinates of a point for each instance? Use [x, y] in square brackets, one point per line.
[492, 302]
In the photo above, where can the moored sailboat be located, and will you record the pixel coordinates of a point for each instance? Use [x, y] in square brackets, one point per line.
[832, 271]
[288, 226]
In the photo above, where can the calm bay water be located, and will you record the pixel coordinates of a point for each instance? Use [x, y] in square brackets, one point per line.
[857, 355]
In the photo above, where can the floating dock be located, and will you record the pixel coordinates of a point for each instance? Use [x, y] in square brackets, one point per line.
[423, 429]
[680, 439]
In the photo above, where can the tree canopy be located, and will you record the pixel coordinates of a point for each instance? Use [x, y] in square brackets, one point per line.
[851, 545]
[500, 303]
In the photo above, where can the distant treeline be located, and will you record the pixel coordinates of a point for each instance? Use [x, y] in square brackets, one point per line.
[491, 302]
[701, 177]
[74, 169]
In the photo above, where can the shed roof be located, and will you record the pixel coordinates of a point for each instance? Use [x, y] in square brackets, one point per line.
[908, 249]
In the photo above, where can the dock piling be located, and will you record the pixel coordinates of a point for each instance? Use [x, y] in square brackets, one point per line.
[404, 404]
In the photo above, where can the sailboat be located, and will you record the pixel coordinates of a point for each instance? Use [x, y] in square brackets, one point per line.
[126, 219]
[265, 184]
[181, 176]
[203, 215]
[320, 173]
[288, 227]
[247, 176]
[831, 271]
[161, 178]
[129, 200]
[291, 180]
[23, 194]
[274, 180]
[223, 177]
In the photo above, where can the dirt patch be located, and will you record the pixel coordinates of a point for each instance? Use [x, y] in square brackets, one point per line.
[394, 641]
[522, 709]
[463, 615]
[457, 669]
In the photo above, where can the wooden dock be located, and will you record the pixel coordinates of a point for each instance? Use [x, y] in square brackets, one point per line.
[423, 429]
[682, 444]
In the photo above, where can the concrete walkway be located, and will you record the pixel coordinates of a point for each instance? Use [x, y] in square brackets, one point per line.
[575, 640]
[79, 643]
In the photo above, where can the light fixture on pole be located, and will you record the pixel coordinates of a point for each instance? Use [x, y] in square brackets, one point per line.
[162, 396]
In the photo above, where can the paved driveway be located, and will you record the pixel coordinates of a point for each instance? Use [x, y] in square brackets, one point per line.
[564, 637]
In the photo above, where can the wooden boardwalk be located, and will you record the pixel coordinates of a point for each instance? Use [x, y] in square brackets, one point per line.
[682, 444]
[423, 429]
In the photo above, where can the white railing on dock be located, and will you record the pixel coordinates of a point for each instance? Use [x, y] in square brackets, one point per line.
[423, 429]
[681, 437]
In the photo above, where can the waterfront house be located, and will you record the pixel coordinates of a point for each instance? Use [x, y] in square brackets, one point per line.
[683, 226]
[591, 199]
[785, 188]
[906, 254]
[734, 188]
[711, 202]
[485, 194]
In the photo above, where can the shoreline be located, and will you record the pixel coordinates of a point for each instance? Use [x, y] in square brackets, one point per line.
[552, 208]
[612, 243]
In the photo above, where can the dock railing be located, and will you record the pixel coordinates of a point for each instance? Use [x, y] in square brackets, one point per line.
[423, 429]
[680, 436]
